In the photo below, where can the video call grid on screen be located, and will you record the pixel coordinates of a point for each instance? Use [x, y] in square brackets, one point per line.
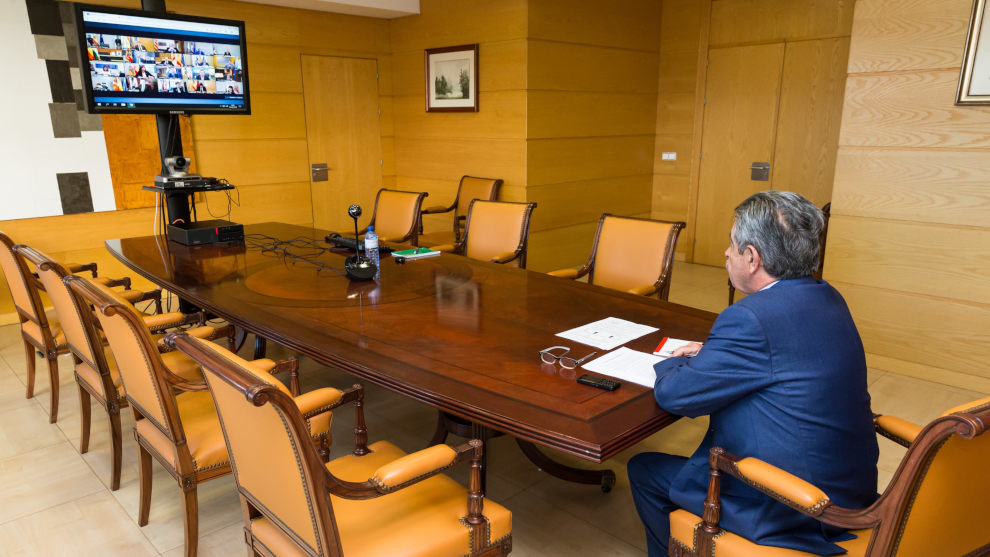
[140, 62]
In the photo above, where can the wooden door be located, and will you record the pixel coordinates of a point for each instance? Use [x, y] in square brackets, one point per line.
[739, 127]
[811, 95]
[344, 132]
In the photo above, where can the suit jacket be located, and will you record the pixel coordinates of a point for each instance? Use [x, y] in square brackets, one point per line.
[783, 378]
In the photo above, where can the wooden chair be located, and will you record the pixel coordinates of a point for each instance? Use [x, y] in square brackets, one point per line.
[631, 254]
[938, 502]
[826, 212]
[469, 189]
[39, 331]
[496, 231]
[174, 418]
[396, 216]
[377, 501]
[96, 371]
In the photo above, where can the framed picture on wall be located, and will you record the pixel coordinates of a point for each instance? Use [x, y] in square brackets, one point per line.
[452, 79]
[974, 79]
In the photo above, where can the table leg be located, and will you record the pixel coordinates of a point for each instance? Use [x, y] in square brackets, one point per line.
[240, 336]
[260, 347]
[605, 478]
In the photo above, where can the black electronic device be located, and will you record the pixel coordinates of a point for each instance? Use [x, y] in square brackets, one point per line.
[599, 382]
[339, 241]
[143, 62]
[184, 181]
[355, 266]
[205, 232]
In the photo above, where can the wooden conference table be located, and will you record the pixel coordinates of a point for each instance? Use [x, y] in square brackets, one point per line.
[457, 334]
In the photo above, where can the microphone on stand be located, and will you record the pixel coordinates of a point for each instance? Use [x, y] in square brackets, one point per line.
[355, 266]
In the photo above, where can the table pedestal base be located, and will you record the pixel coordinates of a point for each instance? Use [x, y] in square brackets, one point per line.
[448, 423]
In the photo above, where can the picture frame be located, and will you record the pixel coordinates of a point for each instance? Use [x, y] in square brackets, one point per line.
[974, 77]
[452, 79]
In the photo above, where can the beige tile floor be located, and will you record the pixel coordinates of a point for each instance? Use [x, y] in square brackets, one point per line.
[54, 501]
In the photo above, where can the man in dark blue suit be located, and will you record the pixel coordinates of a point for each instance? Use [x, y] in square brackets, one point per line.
[782, 377]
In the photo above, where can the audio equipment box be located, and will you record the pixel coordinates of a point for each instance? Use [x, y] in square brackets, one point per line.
[205, 232]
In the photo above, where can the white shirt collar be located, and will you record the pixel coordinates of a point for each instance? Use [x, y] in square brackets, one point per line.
[769, 285]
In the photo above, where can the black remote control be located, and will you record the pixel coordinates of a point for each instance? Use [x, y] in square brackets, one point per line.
[599, 382]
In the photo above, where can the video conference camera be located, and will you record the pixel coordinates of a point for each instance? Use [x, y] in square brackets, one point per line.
[177, 167]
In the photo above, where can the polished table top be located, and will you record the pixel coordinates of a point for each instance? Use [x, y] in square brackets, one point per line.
[458, 334]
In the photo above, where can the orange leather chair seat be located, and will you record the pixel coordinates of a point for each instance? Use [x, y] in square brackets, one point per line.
[404, 528]
[202, 428]
[34, 331]
[683, 524]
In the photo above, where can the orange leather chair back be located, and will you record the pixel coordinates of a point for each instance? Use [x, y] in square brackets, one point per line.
[950, 513]
[497, 227]
[270, 474]
[71, 321]
[137, 356]
[397, 214]
[472, 188]
[15, 269]
[633, 252]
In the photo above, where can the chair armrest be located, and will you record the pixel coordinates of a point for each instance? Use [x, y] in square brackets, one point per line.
[782, 485]
[645, 290]
[444, 247]
[506, 257]
[163, 320]
[436, 209]
[205, 332]
[318, 401]
[124, 281]
[565, 273]
[78, 268]
[413, 467]
[897, 430]
[171, 319]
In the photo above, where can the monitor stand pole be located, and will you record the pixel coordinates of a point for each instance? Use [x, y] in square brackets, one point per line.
[169, 142]
[170, 145]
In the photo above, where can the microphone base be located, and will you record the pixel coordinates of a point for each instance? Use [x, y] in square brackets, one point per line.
[359, 268]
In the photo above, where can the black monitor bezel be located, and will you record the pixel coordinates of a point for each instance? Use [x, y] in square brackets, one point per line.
[87, 82]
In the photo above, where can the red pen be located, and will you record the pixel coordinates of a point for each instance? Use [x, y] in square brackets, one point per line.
[659, 346]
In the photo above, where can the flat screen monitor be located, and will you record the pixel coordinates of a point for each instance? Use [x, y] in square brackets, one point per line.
[141, 62]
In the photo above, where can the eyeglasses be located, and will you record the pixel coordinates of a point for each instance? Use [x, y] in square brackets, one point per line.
[548, 357]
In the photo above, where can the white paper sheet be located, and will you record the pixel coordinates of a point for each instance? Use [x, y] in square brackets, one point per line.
[668, 345]
[607, 333]
[627, 365]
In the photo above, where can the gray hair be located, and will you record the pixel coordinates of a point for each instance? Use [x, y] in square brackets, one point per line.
[784, 228]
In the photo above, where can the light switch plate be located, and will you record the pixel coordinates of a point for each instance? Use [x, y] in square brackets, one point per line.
[668, 156]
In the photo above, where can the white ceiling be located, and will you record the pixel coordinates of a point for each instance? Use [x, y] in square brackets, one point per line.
[386, 9]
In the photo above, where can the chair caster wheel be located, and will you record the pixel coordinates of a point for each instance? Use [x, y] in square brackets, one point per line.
[608, 480]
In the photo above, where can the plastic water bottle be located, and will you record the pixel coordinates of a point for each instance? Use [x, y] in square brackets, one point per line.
[371, 246]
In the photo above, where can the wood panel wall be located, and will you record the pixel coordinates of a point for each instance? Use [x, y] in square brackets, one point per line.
[592, 89]
[816, 36]
[264, 154]
[909, 242]
[433, 150]
[683, 51]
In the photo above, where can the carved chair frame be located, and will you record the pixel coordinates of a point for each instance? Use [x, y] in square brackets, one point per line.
[887, 516]
[315, 471]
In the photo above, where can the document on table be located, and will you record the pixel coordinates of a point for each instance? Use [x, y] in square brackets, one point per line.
[607, 333]
[668, 345]
[628, 365]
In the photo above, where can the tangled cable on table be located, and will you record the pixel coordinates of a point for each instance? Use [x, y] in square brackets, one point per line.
[310, 250]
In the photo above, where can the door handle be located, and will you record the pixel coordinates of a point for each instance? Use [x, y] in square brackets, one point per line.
[759, 171]
[320, 172]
